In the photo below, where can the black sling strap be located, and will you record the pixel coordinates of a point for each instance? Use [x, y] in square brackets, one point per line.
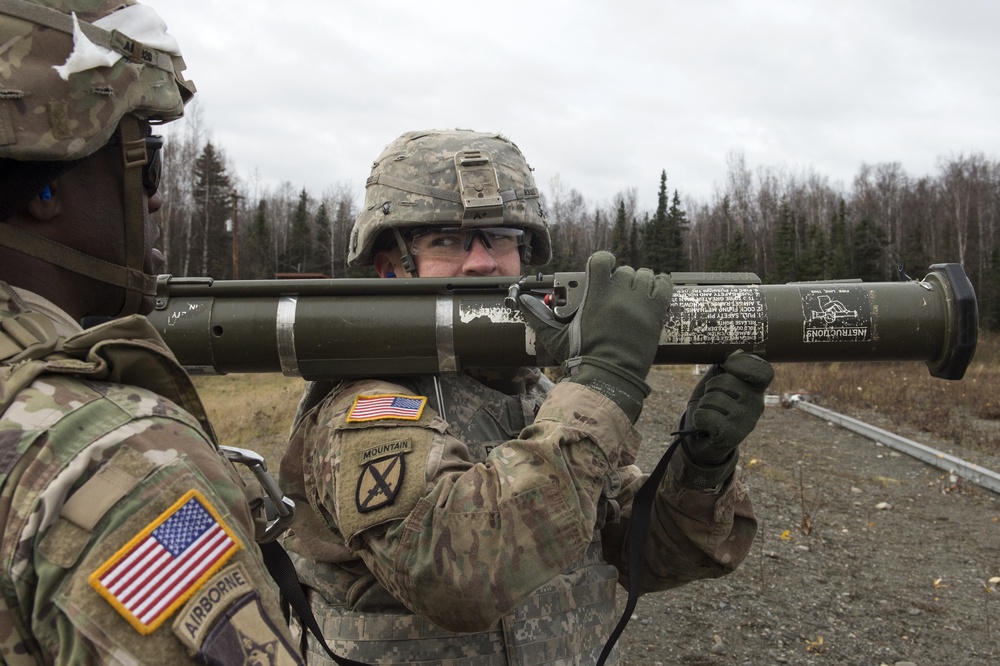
[642, 511]
[280, 566]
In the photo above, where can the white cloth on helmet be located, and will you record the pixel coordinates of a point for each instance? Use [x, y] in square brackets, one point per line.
[139, 22]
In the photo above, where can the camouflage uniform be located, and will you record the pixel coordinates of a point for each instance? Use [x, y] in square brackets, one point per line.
[125, 536]
[492, 534]
[475, 518]
[95, 452]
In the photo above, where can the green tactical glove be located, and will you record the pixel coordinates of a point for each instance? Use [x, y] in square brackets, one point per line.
[723, 410]
[611, 341]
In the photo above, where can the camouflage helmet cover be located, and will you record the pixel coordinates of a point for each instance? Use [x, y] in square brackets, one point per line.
[456, 177]
[72, 72]
[46, 118]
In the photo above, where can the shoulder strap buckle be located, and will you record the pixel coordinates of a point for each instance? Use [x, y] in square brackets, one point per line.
[283, 507]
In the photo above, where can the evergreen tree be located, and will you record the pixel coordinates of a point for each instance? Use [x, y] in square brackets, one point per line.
[635, 250]
[656, 241]
[620, 238]
[813, 259]
[300, 242]
[840, 246]
[566, 250]
[212, 195]
[868, 243]
[341, 238]
[258, 264]
[676, 228]
[321, 259]
[913, 254]
[783, 267]
[733, 256]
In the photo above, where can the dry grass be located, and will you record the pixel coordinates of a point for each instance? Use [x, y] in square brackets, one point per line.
[965, 412]
[252, 411]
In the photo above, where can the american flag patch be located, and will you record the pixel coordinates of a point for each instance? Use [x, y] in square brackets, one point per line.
[163, 565]
[372, 407]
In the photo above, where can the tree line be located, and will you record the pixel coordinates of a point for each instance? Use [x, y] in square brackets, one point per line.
[781, 225]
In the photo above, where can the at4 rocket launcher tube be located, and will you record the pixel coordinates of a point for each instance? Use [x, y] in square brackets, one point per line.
[343, 328]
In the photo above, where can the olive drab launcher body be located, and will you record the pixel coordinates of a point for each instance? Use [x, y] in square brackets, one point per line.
[372, 327]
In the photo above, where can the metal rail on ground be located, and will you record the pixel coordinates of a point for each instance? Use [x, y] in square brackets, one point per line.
[969, 471]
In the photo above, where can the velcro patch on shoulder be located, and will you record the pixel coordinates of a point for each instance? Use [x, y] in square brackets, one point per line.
[166, 562]
[379, 482]
[381, 476]
[244, 635]
[386, 406]
[203, 610]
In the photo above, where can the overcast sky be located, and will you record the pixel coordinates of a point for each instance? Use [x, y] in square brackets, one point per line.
[606, 95]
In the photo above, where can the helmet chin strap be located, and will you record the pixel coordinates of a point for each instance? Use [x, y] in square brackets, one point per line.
[129, 277]
[409, 265]
[526, 250]
[134, 157]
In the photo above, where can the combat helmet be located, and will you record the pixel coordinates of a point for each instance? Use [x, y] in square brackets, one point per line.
[73, 73]
[455, 177]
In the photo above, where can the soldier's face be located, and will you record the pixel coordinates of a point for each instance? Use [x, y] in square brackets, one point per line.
[476, 262]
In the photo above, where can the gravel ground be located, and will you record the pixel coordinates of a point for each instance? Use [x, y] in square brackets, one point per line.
[864, 557]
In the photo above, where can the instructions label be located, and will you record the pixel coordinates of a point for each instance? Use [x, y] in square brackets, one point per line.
[836, 314]
[716, 315]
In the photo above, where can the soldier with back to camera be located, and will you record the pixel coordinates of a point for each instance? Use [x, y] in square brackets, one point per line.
[125, 536]
[480, 517]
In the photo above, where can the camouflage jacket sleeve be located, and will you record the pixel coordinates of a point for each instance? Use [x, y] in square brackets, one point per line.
[126, 537]
[433, 526]
[693, 534]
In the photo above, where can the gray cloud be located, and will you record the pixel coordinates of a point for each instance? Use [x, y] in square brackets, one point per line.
[604, 95]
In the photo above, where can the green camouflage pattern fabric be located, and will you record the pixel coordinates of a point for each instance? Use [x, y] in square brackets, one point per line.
[565, 621]
[43, 117]
[414, 182]
[85, 465]
[523, 516]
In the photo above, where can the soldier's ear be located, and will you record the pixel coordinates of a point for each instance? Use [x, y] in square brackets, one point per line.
[46, 205]
[384, 264]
